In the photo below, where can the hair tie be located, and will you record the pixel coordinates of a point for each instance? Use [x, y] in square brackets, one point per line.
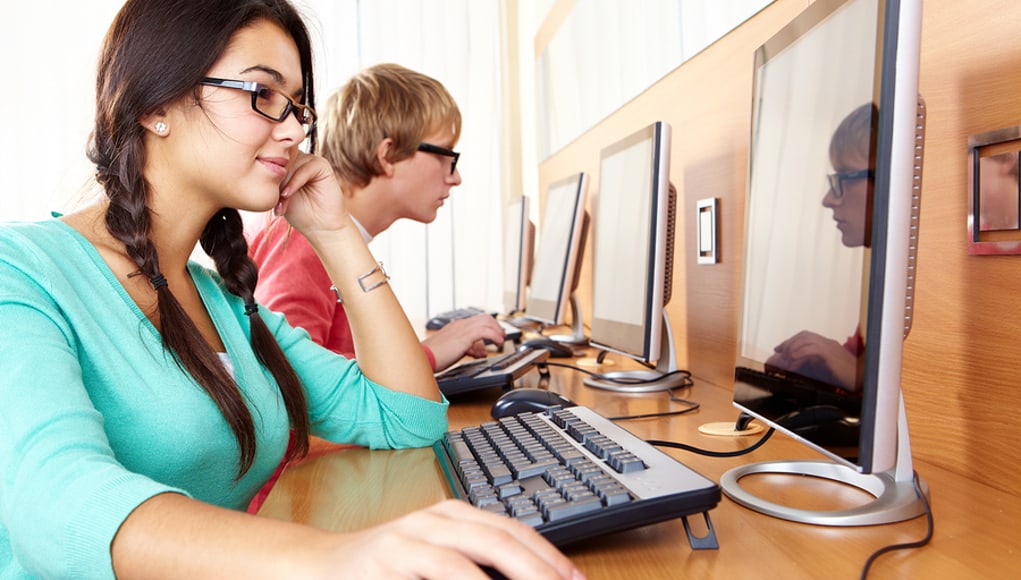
[251, 308]
[158, 281]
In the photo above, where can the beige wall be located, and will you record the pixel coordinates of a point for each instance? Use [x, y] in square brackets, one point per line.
[963, 357]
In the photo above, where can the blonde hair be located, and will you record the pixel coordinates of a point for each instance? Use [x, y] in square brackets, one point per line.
[853, 137]
[385, 100]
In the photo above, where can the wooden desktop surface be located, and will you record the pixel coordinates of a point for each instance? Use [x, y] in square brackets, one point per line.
[975, 525]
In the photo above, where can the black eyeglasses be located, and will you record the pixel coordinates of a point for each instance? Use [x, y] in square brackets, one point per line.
[836, 180]
[269, 103]
[430, 148]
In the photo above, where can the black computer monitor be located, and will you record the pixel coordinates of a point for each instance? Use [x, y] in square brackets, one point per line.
[518, 248]
[632, 257]
[831, 221]
[558, 254]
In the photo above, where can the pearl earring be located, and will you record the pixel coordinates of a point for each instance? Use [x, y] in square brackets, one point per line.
[160, 127]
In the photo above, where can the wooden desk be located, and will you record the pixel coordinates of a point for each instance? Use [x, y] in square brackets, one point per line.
[975, 537]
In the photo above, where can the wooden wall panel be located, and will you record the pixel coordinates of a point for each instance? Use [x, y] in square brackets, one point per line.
[963, 356]
[964, 351]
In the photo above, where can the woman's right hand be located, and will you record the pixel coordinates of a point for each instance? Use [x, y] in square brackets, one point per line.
[451, 539]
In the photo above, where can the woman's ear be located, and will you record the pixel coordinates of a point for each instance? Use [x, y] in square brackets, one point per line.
[156, 122]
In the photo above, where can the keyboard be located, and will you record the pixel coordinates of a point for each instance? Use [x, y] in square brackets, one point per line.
[572, 474]
[494, 371]
[440, 320]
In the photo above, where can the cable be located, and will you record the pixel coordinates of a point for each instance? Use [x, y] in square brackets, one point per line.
[709, 453]
[907, 545]
[687, 382]
[692, 406]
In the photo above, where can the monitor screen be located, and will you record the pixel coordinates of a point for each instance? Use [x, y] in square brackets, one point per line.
[834, 175]
[518, 247]
[563, 222]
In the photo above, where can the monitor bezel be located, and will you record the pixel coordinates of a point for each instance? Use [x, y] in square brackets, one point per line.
[520, 238]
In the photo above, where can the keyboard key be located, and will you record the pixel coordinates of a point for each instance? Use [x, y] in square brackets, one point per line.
[561, 510]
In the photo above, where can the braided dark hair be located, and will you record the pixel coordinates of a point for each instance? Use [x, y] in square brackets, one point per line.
[155, 52]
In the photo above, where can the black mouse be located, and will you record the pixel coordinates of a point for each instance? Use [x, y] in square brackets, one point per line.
[527, 400]
[556, 349]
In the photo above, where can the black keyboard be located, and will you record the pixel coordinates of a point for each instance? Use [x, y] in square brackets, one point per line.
[494, 371]
[572, 474]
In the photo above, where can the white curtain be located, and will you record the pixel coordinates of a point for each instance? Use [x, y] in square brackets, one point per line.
[53, 46]
[455, 261]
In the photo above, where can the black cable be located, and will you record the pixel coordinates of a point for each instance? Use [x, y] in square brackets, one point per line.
[907, 545]
[709, 453]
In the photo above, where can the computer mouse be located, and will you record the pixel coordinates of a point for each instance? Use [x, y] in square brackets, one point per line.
[556, 349]
[527, 400]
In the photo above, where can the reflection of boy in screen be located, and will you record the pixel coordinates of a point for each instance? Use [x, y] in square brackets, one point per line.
[849, 197]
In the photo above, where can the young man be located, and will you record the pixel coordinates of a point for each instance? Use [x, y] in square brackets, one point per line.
[389, 134]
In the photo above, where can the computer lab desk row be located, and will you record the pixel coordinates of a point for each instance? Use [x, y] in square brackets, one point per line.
[976, 526]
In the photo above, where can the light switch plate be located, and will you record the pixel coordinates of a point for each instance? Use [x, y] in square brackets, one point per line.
[706, 226]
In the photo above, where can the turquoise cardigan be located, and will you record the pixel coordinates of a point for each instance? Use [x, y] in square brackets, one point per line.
[95, 417]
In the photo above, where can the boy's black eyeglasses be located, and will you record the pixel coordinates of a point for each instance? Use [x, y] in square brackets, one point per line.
[836, 180]
[430, 148]
[269, 103]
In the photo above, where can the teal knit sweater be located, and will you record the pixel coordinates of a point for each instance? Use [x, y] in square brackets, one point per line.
[95, 417]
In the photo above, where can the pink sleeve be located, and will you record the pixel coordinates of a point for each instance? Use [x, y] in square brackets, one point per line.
[855, 344]
[429, 355]
[293, 281]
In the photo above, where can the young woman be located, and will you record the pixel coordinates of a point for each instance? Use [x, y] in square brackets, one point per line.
[145, 398]
[389, 134]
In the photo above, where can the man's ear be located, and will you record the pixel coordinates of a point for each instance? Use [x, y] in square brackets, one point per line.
[384, 154]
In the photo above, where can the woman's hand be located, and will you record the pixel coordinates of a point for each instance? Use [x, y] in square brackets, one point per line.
[451, 540]
[310, 197]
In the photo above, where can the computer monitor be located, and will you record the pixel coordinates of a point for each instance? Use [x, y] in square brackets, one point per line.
[831, 221]
[557, 261]
[632, 257]
[518, 248]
